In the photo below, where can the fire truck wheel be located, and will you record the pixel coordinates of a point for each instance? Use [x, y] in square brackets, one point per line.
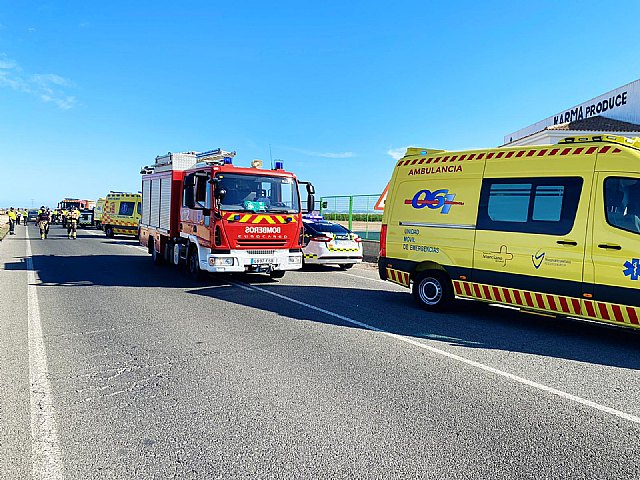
[155, 256]
[277, 274]
[168, 253]
[108, 231]
[193, 265]
[432, 290]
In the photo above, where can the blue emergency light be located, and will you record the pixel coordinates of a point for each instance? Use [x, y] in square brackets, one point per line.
[228, 160]
[279, 165]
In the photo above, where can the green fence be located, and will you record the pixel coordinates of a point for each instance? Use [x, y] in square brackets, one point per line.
[355, 212]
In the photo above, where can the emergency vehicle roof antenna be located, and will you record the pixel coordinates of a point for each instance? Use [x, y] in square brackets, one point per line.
[270, 156]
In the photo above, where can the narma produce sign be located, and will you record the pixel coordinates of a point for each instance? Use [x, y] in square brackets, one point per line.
[620, 104]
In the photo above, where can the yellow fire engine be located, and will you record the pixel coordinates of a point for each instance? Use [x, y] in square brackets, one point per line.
[553, 228]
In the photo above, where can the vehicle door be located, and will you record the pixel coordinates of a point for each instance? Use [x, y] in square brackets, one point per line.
[531, 236]
[614, 254]
[203, 192]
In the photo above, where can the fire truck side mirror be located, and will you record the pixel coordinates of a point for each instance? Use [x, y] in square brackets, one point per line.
[311, 201]
[311, 189]
[220, 193]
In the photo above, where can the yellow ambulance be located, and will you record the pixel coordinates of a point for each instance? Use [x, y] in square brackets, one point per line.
[551, 228]
[97, 212]
[121, 214]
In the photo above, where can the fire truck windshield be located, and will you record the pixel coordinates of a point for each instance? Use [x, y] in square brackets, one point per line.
[258, 193]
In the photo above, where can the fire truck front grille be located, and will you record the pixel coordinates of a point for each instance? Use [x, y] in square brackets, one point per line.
[261, 243]
[261, 252]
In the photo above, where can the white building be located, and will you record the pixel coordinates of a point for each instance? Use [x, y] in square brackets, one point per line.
[616, 112]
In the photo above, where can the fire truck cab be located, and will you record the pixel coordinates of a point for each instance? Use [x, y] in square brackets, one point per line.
[200, 210]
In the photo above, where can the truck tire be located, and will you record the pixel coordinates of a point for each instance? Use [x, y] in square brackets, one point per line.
[277, 274]
[193, 265]
[432, 290]
[108, 231]
[155, 256]
[168, 253]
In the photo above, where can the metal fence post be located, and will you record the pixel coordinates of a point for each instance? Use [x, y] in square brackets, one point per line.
[321, 199]
[351, 212]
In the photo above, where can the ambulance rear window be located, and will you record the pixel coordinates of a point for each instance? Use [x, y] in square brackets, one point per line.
[126, 208]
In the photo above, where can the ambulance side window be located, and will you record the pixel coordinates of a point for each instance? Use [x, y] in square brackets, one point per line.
[622, 203]
[529, 205]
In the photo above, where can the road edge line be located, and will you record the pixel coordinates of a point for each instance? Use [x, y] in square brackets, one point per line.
[46, 456]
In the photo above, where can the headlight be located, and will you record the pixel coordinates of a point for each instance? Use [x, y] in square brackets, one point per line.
[295, 259]
[220, 261]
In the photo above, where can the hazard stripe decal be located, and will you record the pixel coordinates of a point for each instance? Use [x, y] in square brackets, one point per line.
[259, 218]
[398, 276]
[594, 310]
[509, 154]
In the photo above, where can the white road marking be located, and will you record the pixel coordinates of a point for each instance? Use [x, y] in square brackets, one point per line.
[457, 358]
[46, 456]
[368, 278]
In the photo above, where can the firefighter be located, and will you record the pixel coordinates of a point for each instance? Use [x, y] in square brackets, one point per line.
[18, 216]
[12, 221]
[25, 215]
[44, 219]
[73, 215]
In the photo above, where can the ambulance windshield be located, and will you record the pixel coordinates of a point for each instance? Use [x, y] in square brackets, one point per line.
[258, 193]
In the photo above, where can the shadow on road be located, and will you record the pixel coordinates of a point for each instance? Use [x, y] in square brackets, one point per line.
[469, 324]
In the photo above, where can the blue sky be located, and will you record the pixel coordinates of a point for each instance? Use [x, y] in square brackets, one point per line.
[91, 91]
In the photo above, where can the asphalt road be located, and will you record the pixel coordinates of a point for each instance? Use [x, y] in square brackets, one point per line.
[139, 372]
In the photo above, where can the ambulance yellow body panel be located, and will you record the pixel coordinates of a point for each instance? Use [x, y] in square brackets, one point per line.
[97, 212]
[121, 214]
[552, 228]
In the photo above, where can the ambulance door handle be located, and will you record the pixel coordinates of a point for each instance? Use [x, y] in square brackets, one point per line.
[611, 247]
[567, 242]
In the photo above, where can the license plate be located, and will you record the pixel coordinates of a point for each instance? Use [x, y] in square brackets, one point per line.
[262, 261]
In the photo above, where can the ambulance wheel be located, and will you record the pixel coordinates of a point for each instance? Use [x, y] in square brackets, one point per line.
[432, 290]
[345, 266]
[277, 274]
[108, 231]
[193, 265]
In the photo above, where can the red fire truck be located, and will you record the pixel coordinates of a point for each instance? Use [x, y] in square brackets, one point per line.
[201, 210]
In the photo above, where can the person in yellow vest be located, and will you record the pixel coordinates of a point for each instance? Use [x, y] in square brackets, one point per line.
[12, 221]
[18, 216]
[25, 215]
[73, 215]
